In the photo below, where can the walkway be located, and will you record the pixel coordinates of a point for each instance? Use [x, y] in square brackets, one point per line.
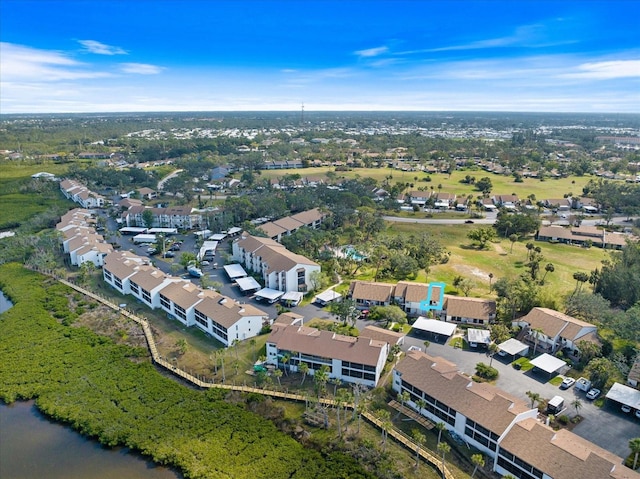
[396, 434]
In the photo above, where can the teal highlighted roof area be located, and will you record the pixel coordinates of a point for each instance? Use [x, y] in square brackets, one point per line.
[428, 303]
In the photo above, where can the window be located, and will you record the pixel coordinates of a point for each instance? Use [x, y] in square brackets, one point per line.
[165, 303]
[135, 288]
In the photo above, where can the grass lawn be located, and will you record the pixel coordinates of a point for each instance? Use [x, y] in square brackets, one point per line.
[556, 381]
[501, 260]
[550, 188]
[525, 364]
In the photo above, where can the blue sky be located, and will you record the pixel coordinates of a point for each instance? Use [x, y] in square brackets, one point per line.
[199, 55]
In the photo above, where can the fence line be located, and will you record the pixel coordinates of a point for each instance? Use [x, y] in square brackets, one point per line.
[396, 434]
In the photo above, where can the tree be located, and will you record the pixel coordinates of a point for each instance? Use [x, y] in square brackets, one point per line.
[320, 377]
[549, 268]
[440, 426]
[304, 369]
[478, 461]
[344, 310]
[252, 342]
[581, 278]
[601, 372]
[403, 397]
[513, 238]
[385, 419]
[419, 439]
[490, 280]
[577, 405]
[534, 397]
[482, 235]
[537, 333]
[148, 217]
[493, 349]
[278, 374]
[484, 185]
[336, 382]
[443, 448]
[285, 361]
[388, 314]
[634, 445]
[466, 285]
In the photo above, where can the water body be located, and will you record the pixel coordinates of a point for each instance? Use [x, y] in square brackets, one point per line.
[5, 304]
[31, 446]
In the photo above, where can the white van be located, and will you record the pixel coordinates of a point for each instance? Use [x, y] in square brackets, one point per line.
[555, 405]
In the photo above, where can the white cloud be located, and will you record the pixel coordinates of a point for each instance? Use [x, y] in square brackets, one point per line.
[371, 52]
[22, 63]
[140, 68]
[606, 70]
[99, 48]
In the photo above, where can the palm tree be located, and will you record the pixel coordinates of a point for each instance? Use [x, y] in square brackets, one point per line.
[478, 461]
[444, 448]
[634, 445]
[549, 268]
[580, 278]
[535, 397]
[336, 382]
[493, 349]
[285, 360]
[278, 374]
[321, 376]
[235, 346]
[536, 333]
[577, 405]
[304, 369]
[440, 427]
[513, 238]
[419, 439]
[490, 280]
[386, 424]
[421, 403]
[403, 397]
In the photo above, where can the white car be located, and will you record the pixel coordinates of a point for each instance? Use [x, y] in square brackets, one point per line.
[638, 413]
[567, 383]
[626, 408]
[593, 393]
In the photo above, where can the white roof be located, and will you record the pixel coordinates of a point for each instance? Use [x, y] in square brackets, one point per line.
[624, 395]
[434, 326]
[217, 237]
[235, 271]
[270, 294]
[248, 283]
[548, 363]
[328, 296]
[292, 296]
[513, 346]
[478, 336]
[234, 230]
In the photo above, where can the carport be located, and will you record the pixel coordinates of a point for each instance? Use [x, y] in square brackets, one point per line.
[271, 295]
[327, 297]
[478, 337]
[549, 364]
[513, 347]
[624, 395]
[292, 298]
[248, 284]
[437, 329]
[235, 271]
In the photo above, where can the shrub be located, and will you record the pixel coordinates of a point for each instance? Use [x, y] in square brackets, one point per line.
[485, 371]
[564, 419]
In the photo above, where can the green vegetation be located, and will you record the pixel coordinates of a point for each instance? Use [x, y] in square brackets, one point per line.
[23, 198]
[523, 363]
[112, 393]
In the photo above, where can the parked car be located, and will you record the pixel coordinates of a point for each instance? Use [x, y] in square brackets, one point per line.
[169, 254]
[567, 383]
[626, 408]
[638, 413]
[593, 394]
